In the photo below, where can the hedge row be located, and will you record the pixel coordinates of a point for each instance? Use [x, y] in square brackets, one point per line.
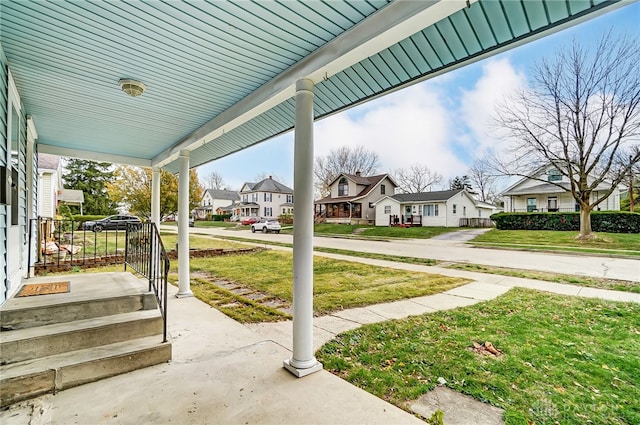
[601, 221]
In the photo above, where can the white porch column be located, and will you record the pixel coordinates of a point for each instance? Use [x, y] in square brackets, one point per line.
[303, 362]
[184, 282]
[155, 196]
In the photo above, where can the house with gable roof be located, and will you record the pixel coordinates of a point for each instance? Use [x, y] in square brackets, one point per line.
[550, 191]
[446, 208]
[352, 198]
[267, 198]
[214, 199]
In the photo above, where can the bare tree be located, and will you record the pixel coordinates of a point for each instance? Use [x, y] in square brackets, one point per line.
[264, 175]
[483, 177]
[581, 110]
[213, 181]
[347, 160]
[415, 179]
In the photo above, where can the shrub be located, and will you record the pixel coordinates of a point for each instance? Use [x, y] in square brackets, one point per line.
[601, 221]
[221, 217]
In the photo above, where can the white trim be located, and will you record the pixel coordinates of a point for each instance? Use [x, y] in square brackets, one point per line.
[383, 29]
[93, 156]
[31, 127]
[13, 93]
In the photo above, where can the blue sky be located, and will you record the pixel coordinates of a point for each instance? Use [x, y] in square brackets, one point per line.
[443, 123]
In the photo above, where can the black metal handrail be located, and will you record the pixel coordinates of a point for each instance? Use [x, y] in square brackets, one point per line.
[145, 253]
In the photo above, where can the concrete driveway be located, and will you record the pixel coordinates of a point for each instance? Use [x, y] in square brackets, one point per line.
[443, 250]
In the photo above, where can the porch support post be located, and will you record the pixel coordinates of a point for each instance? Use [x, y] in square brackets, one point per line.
[155, 196]
[184, 277]
[303, 362]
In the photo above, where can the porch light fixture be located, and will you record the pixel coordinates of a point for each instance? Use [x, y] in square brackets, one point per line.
[132, 87]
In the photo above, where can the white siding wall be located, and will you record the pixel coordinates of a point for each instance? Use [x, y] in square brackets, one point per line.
[46, 195]
[462, 202]
[277, 199]
[433, 220]
[382, 219]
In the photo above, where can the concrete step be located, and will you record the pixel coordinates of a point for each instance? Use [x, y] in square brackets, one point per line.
[31, 378]
[27, 315]
[42, 341]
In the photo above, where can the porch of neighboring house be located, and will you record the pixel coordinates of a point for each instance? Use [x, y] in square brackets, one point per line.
[403, 220]
[339, 212]
[250, 210]
[547, 202]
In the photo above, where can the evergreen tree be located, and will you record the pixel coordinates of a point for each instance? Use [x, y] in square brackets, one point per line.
[91, 178]
[461, 183]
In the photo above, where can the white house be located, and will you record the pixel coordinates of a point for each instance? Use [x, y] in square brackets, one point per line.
[267, 198]
[214, 199]
[49, 182]
[439, 208]
[353, 196]
[550, 191]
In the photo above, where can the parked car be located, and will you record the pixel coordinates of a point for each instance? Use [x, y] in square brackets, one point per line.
[113, 222]
[266, 225]
[249, 220]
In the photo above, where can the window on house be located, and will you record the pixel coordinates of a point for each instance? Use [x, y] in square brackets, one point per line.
[430, 210]
[290, 199]
[554, 175]
[267, 197]
[464, 211]
[343, 187]
[455, 208]
[245, 198]
[254, 197]
[267, 212]
[387, 209]
[383, 189]
[532, 204]
[552, 203]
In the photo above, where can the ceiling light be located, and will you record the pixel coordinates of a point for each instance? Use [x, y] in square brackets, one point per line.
[132, 87]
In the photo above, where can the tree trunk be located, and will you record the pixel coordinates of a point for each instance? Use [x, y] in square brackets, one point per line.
[585, 225]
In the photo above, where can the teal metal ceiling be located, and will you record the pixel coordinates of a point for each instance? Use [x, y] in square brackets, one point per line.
[200, 58]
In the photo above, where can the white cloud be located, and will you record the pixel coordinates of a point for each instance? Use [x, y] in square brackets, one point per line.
[499, 79]
[408, 127]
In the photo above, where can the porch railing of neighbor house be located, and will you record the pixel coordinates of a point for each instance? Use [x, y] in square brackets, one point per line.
[529, 209]
[405, 220]
[145, 254]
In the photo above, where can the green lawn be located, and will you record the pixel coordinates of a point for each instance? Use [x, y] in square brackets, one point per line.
[337, 284]
[566, 360]
[169, 241]
[205, 223]
[608, 243]
[364, 231]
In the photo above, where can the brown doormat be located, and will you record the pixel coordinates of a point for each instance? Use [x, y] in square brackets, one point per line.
[44, 288]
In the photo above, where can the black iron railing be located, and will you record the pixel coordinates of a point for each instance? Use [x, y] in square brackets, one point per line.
[145, 253]
[64, 244]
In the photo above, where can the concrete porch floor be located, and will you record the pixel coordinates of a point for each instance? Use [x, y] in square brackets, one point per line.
[222, 372]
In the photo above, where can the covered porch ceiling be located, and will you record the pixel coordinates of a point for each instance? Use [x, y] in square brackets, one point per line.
[220, 75]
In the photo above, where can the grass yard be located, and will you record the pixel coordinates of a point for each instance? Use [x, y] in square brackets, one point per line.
[606, 243]
[364, 231]
[592, 282]
[337, 284]
[199, 242]
[566, 360]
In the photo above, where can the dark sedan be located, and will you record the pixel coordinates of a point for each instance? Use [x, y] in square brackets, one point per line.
[113, 222]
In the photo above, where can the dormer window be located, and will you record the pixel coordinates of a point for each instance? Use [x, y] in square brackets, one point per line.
[343, 187]
[554, 175]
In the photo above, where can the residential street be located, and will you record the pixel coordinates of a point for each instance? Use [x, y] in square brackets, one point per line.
[446, 250]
